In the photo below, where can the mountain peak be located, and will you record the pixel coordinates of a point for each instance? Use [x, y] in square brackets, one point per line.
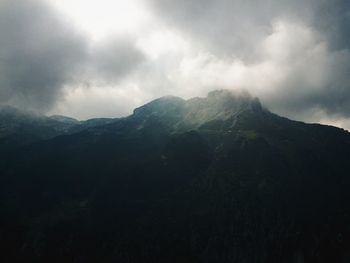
[220, 105]
[225, 92]
[64, 119]
[160, 106]
[242, 97]
[229, 93]
[180, 114]
[222, 158]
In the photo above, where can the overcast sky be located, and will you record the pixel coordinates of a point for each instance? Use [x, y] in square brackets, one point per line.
[94, 58]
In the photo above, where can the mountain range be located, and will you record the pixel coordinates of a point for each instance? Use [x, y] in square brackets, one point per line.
[214, 179]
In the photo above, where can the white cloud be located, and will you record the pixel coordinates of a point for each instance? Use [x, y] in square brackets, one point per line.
[103, 18]
[86, 102]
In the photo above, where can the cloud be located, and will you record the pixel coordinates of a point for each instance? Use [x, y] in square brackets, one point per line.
[112, 59]
[312, 74]
[294, 55]
[226, 27]
[94, 102]
[235, 26]
[41, 53]
[38, 53]
[333, 20]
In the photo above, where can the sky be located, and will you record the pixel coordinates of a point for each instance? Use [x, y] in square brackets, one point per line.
[103, 58]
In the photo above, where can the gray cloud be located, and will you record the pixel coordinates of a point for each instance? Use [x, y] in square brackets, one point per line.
[114, 58]
[228, 27]
[311, 47]
[332, 18]
[234, 26]
[40, 53]
[294, 55]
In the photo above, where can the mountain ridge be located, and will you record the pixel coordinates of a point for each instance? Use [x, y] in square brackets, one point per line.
[19, 128]
[215, 179]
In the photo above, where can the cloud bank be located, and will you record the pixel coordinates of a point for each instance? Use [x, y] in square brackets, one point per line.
[41, 53]
[293, 55]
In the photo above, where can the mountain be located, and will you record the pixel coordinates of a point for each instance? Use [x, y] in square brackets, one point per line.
[215, 179]
[18, 128]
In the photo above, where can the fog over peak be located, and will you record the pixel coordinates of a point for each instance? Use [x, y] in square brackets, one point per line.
[293, 55]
